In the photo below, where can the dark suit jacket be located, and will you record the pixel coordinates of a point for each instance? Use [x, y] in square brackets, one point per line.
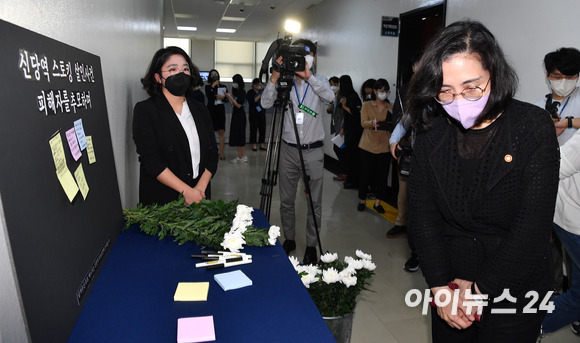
[162, 143]
[495, 233]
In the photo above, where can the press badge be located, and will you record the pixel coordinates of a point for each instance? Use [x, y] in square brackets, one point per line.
[300, 118]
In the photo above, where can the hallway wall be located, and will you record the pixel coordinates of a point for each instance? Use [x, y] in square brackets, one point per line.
[124, 34]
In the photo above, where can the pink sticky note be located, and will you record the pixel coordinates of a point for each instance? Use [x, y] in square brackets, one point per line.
[73, 144]
[195, 329]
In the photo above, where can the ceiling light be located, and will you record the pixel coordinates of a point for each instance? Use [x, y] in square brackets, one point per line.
[225, 30]
[292, 26]
[187, 28]
[233, 19]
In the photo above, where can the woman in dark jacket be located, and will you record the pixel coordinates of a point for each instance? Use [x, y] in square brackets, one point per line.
[351, 105]
[482, 188]
[238, 124]
[173, 133]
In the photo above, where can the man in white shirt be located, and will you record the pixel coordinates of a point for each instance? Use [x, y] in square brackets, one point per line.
[562, 68]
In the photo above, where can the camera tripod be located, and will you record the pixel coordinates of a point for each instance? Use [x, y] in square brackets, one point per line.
[270, 175]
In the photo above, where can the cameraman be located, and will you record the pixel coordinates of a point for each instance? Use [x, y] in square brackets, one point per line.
[309, 94]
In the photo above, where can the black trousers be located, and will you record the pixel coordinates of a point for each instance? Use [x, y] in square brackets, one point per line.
[351, 155]
[498, 328]
[257, 125]
[374, 169]
[340, 153]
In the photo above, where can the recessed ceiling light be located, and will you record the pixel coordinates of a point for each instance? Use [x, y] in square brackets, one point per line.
[225, 30]
[233, 19]
[187, 28]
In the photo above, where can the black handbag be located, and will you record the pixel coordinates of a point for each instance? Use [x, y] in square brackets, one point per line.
[404, 155]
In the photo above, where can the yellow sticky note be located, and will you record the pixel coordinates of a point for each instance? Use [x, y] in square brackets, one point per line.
[68, 183]
[82, 181]
[191, 291]
[58, 153]
[90, 150]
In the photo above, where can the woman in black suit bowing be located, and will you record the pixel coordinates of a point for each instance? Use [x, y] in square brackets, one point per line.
[173, 133]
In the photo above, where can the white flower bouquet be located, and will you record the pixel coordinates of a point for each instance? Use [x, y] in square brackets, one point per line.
[217, 224]
[334, 285]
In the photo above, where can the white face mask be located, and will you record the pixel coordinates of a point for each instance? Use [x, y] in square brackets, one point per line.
[334, 89]
[382, 95]
[563, 87]
[309, 61]
[234, 85]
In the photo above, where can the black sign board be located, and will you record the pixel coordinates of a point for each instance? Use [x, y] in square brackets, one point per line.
[390, 26]
[53, 118]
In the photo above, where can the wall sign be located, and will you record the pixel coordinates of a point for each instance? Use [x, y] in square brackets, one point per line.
[390, 26]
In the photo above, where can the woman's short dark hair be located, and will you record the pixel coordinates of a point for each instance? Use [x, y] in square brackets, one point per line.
[463, 37]
[240, 81]
[370, 83]
[161, 56]
[382, 83]
[566, 60]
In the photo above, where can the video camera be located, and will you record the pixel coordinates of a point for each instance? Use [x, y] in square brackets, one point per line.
[292, 61]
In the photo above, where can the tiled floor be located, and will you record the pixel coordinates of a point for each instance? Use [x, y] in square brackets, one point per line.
[381, 314]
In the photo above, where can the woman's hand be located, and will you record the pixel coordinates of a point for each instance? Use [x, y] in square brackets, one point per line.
[458, 320]
[215, 83]
[193, 195]
[394, 147]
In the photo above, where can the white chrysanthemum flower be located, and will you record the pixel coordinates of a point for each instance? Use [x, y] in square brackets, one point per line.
[328, 257]
[307, 279]
[330, 275]
[273, 234]
[294, 262]
[368, 265]
[364, 256]
[239, 224]
[356, 264]
[348, 280]
[233, 241]
[244, 212]
[348, 271]
[348, 259]
[311, 269]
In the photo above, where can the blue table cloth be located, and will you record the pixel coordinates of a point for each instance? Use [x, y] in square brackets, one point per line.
[132, 299]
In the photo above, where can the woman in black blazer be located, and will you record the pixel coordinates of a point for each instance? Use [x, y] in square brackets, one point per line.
[482, 189]
[173, 133]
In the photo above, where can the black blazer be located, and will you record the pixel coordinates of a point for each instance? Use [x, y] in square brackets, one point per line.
[497, 232]
[162, 143]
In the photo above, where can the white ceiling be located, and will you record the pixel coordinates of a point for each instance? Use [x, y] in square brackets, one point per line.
[258, 18]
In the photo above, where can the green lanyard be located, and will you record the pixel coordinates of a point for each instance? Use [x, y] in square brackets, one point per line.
[301, 103]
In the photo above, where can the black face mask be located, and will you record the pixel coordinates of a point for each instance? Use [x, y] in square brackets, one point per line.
[213, 79]
[178, 84]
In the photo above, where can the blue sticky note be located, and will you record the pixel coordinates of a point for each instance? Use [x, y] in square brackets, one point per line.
[232, 280]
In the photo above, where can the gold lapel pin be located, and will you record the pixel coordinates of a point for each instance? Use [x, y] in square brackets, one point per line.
[508, 158]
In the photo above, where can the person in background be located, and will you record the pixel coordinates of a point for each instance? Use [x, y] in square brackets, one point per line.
[197, 93]
[403, 134]
[351, 105]
[216, 95]
[366, 90]
[562, 69]
[173, 133]
[257, 115]
[567, 228]
[309, 95]
[335, 109]
[238, 123]
[563, 103]
[483, 176]
[376, 121]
